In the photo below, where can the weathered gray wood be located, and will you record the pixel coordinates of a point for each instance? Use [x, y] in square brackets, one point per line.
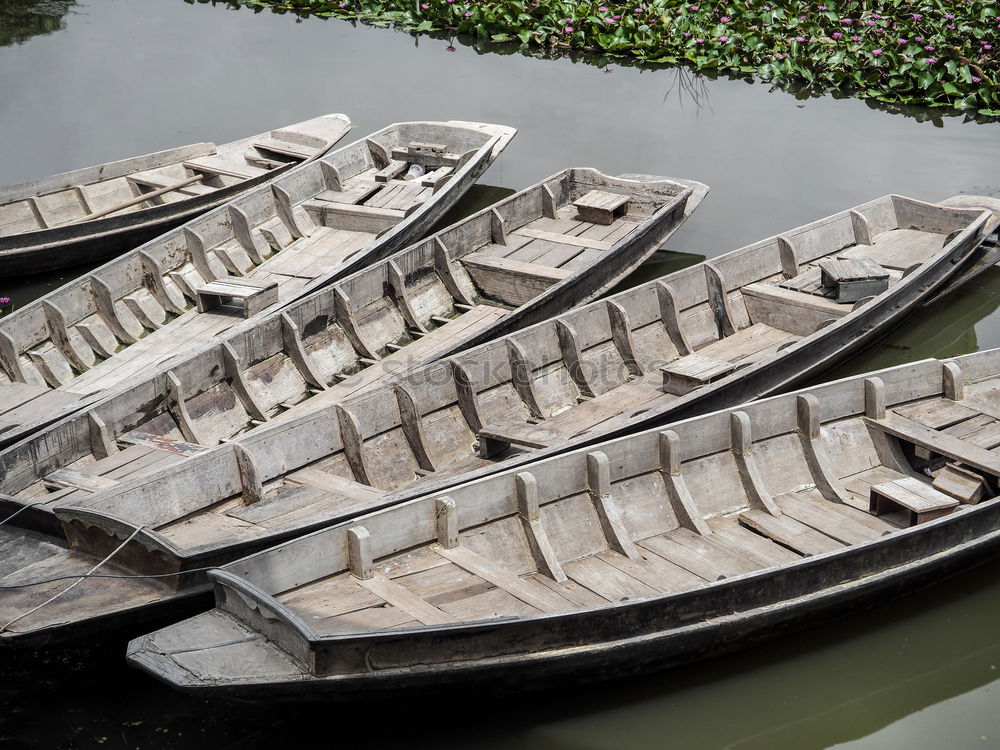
[58, 330]
[296, 351]
[199, 257]
[953, 381]
[922, 502]
[178, 409]
[413, 427]
[237, 380]
[331, 176]
[402, 295]
[669, 315]
[348, 322]
[621, 336]
[571, 356]
[549, 202]
[862, 230]
[741, 436]
[359, 545]
[354, 449]
[673, 479]
[718, 300]
[874, 398]
[442, 264]
[252, 243]
[526, 489]
[101, 444]
[823, 474]
[446, 520]
[787, 255]
[522, 377]
[295, 221]
[250, 479]
[498, 231]
[9, 359]
[467, 396]
[599, 487]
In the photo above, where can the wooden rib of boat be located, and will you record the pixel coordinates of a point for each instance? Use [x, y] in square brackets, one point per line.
[525, 258]
[93, 213]
[269, 246]
[594, 372]
[664, 547]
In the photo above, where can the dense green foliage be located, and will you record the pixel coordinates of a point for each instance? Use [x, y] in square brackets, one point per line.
[937, 52]
[22, 19]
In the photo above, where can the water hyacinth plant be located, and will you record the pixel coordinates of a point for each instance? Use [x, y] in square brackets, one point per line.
[941, 53]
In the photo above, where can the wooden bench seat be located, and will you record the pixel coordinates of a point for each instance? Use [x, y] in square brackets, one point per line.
[497, 437]
[157, 181]
[511, 281]
[938, 442]
[600, 207]
[921, 501]
[216, 165]
[286, 148]
[797, 312]
[353, 217]
[255, 295]
[685, 374]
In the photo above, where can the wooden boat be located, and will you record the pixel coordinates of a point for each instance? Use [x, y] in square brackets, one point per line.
[600, 370]
[266, 248]
[664, 547]
[93, 213]
[468, 282]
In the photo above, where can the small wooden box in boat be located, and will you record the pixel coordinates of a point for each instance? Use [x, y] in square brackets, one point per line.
[659, 548]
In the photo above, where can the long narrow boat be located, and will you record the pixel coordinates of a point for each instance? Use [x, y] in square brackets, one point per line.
[633, 360]
[664, 547]
[93, 213]
[266, 248]
[435, 297]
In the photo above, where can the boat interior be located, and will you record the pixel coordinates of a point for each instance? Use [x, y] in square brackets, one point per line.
[713, 498]
[422, 302]
[265, 248]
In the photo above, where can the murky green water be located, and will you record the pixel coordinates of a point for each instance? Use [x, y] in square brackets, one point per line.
[112, 78]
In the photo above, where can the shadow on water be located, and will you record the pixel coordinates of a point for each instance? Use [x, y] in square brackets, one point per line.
[833, 684]
[20, 20]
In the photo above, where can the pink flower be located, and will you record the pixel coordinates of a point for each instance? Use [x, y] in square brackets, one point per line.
[904, 41]
[930, 60]
[820, 7]
[699, 40]
[949, 15]
[871, 23]
[800, 39]
[425, 6]
[918, 39]
[692, 7]
[609, 20]
[855, 39]
[724, 19]
[916, 16]
[950, 27]
[837, 35]
[975, 79]
[876, 53]
[568, 29]
[876, 15]
[723, 38]
[450, 48]
[929, 47]
[602, 9]
[847, 21]
[987, 46]
[468, 15]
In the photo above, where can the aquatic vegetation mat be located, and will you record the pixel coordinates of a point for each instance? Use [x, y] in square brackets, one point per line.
[936, 53]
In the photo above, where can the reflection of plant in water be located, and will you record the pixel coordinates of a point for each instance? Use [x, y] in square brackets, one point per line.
[941, 53]
[22, 19]
[689, 85]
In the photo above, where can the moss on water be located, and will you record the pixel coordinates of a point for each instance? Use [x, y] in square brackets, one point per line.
[939, 53]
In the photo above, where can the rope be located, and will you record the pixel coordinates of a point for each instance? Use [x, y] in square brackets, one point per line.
[79, 579]
[23, 508]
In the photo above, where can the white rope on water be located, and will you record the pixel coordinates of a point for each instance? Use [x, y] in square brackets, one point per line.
[77, 581]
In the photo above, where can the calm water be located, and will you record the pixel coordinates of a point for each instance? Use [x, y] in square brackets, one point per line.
[121, 77]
